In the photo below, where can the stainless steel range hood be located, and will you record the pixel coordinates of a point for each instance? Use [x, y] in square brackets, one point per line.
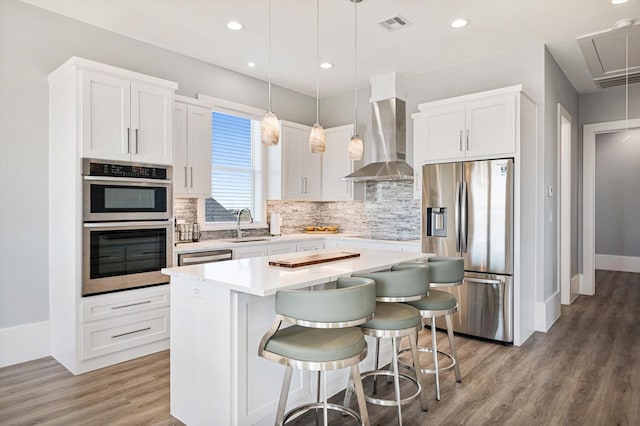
[389, 147]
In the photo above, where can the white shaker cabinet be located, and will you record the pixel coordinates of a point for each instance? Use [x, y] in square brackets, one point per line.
[471, 127]
[336, 164]
[192, 149]
[125, 116]
[302, 169]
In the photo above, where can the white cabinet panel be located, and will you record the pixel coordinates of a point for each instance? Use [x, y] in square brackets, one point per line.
[192, 151]
[491, 126]
[151, 121]
[282, 248]
[444, 128]
[301, 169]
[106, 118]
[104, 337]
[122, 303]
[310, 245]
[246, 252]
[336, 164]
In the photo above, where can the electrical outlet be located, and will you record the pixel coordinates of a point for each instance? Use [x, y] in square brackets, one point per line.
[197, 292]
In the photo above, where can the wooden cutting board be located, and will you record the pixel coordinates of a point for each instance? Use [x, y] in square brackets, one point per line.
[313, 259]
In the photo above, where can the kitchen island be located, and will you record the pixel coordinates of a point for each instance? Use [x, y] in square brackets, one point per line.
[219, 313]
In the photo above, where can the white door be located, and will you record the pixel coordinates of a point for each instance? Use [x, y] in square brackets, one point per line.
[443, 132]
[491, 126]
[199, 150]
[336, 164]
[151, 112]
[106, 127]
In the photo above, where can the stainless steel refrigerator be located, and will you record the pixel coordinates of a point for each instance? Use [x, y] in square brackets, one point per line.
[467, 211]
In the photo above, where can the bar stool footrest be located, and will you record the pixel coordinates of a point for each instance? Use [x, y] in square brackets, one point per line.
[451, 365]
[319, 405]
[389, 402]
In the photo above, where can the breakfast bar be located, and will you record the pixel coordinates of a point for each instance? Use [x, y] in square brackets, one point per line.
[219, 313]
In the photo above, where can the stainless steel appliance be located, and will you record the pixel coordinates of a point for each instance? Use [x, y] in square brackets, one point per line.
[204, 257]
[467, 211]
[128, 231]
[125, 191]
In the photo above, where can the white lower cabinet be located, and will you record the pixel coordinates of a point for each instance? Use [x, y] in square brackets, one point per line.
[282, 248]
[310, 245]
[251, 251]
[124, 332]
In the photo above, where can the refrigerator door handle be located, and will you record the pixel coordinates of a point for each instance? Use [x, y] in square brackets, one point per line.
[482, 280]
[457, 218]
[463, 218]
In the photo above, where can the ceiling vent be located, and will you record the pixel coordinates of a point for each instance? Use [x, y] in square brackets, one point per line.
[605, 53]
[395, 23]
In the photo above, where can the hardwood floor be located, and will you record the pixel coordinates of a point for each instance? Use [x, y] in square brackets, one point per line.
[584, 371]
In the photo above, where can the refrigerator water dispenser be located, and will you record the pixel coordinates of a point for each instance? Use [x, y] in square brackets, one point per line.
[436, 221]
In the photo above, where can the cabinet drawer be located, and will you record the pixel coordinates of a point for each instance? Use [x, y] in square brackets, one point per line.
[124, 332]
[123, 303]
[310, 245]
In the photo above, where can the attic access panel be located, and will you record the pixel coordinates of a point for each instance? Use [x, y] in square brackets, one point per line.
[604, 53]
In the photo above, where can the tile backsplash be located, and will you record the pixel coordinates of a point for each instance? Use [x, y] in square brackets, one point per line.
[389, 212]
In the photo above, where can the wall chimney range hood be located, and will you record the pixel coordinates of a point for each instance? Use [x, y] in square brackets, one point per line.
[389, 146]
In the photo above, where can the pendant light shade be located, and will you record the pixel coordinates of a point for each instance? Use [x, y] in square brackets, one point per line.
[269, 129]
[317, 138]
[269, 126]
[356, 146]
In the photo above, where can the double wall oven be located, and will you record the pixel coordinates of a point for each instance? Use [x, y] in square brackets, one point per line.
[127, 225]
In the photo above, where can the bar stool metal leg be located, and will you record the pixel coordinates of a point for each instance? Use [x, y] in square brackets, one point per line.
[413, 344]
[362, 403]
[282, 405]
[396, 378]
[452, 345]
[434, 346]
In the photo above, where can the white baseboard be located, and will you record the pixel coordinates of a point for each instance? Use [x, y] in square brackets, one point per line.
[547, 312]
[618, 263]
[24, 343]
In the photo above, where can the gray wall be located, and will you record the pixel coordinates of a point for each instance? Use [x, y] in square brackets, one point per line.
[617, 200]
[558, 89]
[33, 42]
[599, 107]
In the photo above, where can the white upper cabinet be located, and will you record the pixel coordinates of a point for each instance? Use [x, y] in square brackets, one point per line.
[301, 169]
[124, 117]
[471, 127]
[192, 149]
[336, 164]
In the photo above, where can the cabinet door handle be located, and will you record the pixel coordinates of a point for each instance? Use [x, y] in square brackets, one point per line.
[185, 176]
[302, 185]
[131, 304]
[305, 185]
[128, 140]
[467, 139]
[460, 140]
[191, 168]
[137, 151]
[130, 332]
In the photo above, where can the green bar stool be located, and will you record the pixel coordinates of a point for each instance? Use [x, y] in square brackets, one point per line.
[324, 337]
[445, 271]
[396, 320]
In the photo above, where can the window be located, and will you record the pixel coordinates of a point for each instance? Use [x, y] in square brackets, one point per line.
[236, 169]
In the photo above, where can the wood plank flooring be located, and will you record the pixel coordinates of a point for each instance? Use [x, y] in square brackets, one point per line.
[584, 371]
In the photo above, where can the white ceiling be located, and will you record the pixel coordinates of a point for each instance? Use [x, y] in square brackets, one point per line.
[197, 28]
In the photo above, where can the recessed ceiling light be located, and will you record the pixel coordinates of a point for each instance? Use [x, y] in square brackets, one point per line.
[251, 64]
[618, 1]
[459, 23]
[234, 25]
[326, 65]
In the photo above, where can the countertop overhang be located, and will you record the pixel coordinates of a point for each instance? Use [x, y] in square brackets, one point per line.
[255, 276]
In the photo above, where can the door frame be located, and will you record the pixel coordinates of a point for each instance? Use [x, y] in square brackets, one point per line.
[563, 224]
[588, 282]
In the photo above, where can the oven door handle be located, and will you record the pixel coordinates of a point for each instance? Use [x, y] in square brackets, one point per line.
[136, 224]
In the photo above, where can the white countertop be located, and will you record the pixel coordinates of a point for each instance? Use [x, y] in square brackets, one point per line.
[228, 244]
[255, 276]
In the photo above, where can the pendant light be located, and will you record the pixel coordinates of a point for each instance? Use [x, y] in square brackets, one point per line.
[269, 126]
[355, 144]
[317, 139]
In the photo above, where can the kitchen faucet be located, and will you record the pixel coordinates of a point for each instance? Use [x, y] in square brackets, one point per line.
[244, 209]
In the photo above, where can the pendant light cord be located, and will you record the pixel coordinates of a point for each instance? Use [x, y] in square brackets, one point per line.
[318, 61]
[270, 56]
[626, 87]
[355, 66]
